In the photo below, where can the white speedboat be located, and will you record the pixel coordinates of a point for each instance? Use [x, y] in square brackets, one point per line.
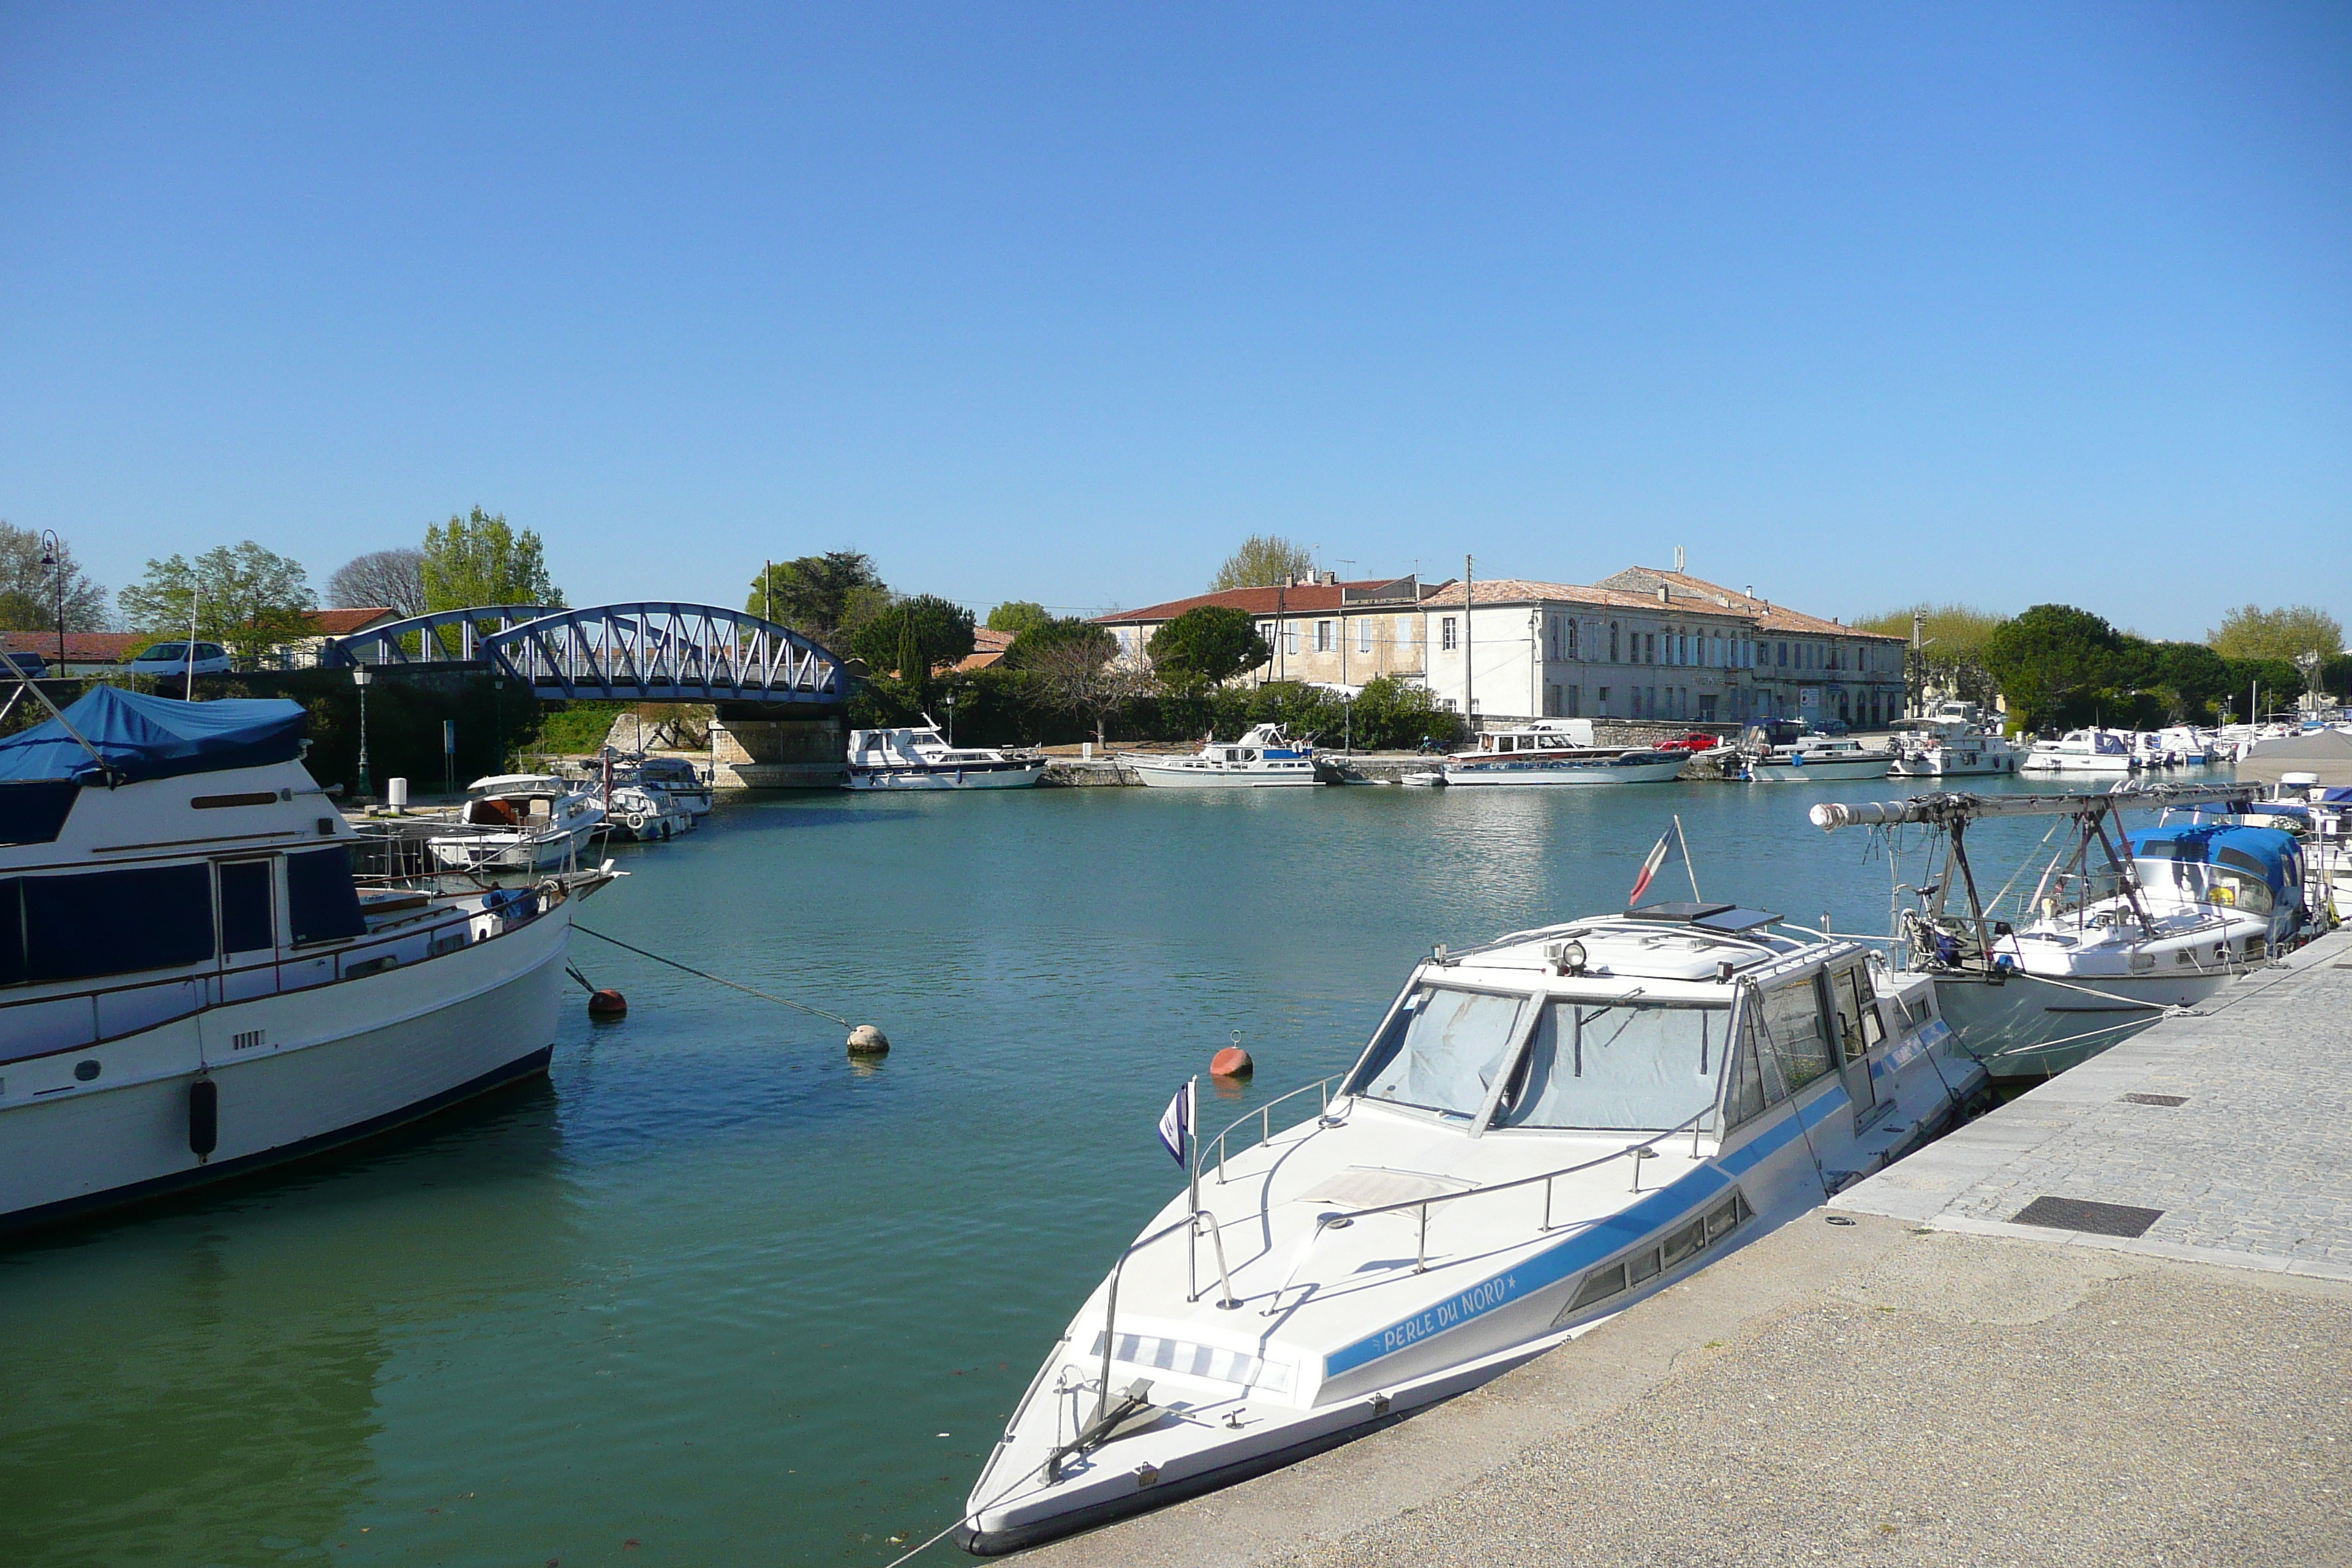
[520, 822]
[193, 986]
[1558, 752]
[2082, 751]
[647, 813]
[1264, 758]
[677, 778]
[1542, 1131]
[1951, 741]
[918, 758]
[1818, 758]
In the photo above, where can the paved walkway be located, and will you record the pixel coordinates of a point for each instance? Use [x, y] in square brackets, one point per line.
[1919, 1379]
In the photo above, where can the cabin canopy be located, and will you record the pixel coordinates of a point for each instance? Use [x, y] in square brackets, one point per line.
[2325, 752]
[137, 737]
[2265, 852]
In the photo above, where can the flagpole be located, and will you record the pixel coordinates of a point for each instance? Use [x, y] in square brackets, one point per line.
[1684, 839]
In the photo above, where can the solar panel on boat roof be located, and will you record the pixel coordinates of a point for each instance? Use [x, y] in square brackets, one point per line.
[1713, 917]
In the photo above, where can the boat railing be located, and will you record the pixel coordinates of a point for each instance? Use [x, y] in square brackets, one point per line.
[1263, 1116]
[1340, 1219]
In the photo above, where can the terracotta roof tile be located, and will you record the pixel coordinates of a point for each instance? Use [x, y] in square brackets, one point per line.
[93, 647]
[1308, 599]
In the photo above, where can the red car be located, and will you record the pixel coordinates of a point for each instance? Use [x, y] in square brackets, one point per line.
[1696, 740]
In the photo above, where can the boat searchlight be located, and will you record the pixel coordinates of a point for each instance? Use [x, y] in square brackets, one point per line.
[1567, 957]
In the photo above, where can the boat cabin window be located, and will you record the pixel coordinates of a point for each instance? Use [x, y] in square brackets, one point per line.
[1618, 1067]
[1858, 1025]
[321, 903]
[1745, 1094]
[112, 922]
[1442, 1051]
[1793, 1028]
[247, 906]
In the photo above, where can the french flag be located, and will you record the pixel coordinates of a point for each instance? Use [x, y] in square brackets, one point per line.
[1658, 853]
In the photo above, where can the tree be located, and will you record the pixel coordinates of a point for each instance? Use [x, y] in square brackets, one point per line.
[826, 596]
[2052, 661]
[246, 597]
[2251, 632]
[394, 579]
[1018, 617]
[1950, 661]
[1060, 631]
[1208, 644]
[478, 560]
[28, 590]
[915, 635]
[1264, 561]
[1077, 677]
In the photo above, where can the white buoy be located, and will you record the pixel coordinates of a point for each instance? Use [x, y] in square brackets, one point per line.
[866, 1040]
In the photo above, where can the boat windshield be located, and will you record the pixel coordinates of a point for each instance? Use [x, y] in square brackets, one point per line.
[1618, 1067]
[1442, 1051]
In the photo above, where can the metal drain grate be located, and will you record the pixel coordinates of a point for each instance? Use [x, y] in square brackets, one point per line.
[2082, 1215]
[2156, 1100]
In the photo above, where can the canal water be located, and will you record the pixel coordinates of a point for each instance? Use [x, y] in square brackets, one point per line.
[714, 1295]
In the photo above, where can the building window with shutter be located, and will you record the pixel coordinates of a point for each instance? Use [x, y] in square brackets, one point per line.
[1322, 637]
[1364, 635]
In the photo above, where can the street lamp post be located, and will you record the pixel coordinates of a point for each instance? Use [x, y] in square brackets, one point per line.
[53, 556]
[361, 676]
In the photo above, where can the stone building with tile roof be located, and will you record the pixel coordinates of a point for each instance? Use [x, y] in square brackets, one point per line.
[1644, 644]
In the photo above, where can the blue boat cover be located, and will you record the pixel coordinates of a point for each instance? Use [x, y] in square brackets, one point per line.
[2268, 850]
[153, 738]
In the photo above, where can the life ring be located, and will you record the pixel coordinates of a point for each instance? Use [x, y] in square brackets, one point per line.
[636, 821]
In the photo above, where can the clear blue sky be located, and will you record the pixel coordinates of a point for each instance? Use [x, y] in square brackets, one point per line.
[1859, 304]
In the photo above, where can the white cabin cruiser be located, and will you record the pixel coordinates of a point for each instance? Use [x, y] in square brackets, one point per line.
[1558, 752]
[520, 822]
[677, 778]
[1819, 759]
[2082, 751]
[918, 758]
[1542, 1131]
[1953, 740]
[1264, 758]
[647, 813]
[193, 986]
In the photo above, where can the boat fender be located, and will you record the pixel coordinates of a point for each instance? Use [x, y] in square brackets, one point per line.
[866, 1040]
[1232, 1062]
[607, 1004]
[664, 832]
[204, 1118]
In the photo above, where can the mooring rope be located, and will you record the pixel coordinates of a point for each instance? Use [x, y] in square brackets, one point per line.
[714, 979]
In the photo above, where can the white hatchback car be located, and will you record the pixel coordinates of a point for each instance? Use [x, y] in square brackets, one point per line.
[171, 658]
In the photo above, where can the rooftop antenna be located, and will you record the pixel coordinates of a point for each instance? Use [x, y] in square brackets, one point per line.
[1678, 557]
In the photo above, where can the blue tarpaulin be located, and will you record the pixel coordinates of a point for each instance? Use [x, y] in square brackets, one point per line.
[141, 738]
[2269, 852]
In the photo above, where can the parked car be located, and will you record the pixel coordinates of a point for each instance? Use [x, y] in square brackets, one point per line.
[1696, 740]
[13, 665]
[171, 658]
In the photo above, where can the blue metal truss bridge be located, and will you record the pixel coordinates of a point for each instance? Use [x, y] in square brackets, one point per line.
[652, 652]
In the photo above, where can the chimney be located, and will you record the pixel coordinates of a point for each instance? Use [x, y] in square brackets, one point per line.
[1665, 595]
[1331, 579]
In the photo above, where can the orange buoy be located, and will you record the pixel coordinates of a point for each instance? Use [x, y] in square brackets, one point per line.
[607, 1004]
[1232, 1062]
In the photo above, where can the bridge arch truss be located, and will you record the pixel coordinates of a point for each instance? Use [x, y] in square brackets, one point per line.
[656, 651]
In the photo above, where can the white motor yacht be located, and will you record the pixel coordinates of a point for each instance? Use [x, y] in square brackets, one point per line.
[1953, 740]
[919, 758]
[193, 985]
[1818, 758]
[1541, 1133]
[1558, 752]
[520, 822]
[1264, 758]
[647, 813]
[677, 778]
[2082, 751]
